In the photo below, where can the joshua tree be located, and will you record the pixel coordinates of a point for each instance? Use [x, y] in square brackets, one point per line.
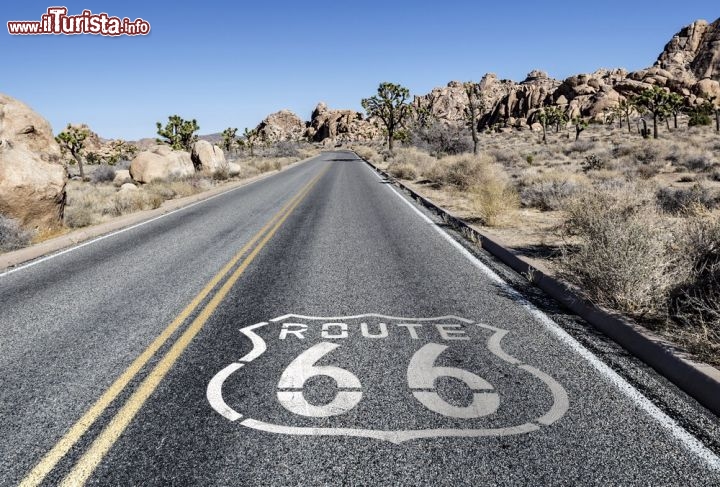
[580, 125]
[178, 133]
[474, 109]
[229, 138]
[391, 106]
[544, 118]
[624, 110]
[656, 101]
[121, 150]
[72, 140]
[676, 104]
[551, 115]
[250, 139]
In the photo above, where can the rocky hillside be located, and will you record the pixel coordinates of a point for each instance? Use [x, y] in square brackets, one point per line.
[689, 64]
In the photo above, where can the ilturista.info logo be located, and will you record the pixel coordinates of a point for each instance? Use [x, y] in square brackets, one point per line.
[56, 21]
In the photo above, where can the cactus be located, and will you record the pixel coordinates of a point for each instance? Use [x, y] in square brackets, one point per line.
[178, 133]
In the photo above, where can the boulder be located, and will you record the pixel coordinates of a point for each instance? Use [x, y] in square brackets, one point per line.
[707, 88]
[234, 169]
[128, 187]
[280, 126]
[122, 176]
[207, 157]
[161, 162]
[32, 179]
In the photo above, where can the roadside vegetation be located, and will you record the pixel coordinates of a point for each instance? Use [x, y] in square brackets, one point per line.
[102, 189]
[629, 212]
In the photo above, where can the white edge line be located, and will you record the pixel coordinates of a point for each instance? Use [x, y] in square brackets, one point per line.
[126, 229]
[688, 440]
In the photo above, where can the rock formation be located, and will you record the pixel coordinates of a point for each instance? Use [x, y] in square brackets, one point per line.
[279, 126]
[340, 125]
[689, 65]
[207, 157]
[161, 162]
[32, 178]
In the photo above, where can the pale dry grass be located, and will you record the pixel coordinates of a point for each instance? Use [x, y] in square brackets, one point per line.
[609, 212]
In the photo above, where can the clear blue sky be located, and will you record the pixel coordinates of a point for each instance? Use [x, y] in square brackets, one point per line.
[232, 63]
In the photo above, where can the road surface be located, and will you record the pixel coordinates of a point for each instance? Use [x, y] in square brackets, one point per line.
[317, 328]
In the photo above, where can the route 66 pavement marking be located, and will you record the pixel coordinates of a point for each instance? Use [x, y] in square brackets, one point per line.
[422, 373]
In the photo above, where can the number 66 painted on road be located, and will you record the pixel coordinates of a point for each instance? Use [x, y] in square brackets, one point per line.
[421, 376]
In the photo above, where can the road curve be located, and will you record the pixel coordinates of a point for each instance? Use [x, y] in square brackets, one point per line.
[314, 327]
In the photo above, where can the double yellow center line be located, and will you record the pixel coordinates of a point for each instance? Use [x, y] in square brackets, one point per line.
[110, 434]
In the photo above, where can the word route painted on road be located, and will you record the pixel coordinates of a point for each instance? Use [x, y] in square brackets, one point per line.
[383, 377]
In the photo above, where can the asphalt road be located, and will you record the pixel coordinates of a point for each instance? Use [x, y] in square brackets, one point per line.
[316, 328]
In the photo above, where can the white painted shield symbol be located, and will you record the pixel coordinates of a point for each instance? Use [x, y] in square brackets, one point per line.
[422, 374]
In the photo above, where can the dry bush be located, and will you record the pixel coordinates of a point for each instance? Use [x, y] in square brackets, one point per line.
[402, 170]
[550, 190]
[678, 201]
[267, 164]
[505, 157]
[580, 146]
[411, 163]
[78, 217]
[103, 174]
[494, 200]
[622, 258]
[12, 235]
[696, 304]
[465, 171]
[700, 162]
[131, 201]
[368, 153]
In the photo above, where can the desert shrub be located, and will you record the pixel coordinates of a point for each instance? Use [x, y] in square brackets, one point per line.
[78, 217]
[493, 198]
[417, 162]
[715, 175]
[699, 119]
[650, 151]
[645, 171]
[103, 174]
[163, 189]
[222, 174]
[465, 171]
[593, 162]
[699, 162]
[285, 148]
[621, 258]
[12, 235]
[549, 191]
[505, 157]
[607, 179]
[367, 153]
[682, 200]
[440, 138]
[131, 201]
[579, 146]
[402, 170]
[696, 304]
